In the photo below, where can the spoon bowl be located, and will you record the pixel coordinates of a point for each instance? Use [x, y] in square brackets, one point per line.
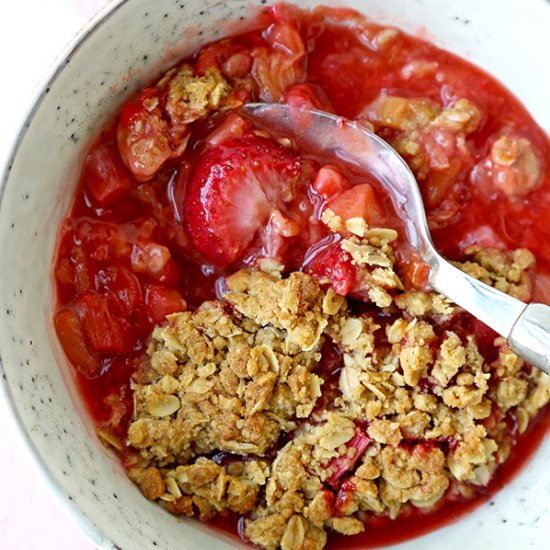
[525, 327]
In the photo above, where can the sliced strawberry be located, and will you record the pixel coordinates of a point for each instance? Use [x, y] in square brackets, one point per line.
[334, 266]
[358, 202]
[105, 177]
[236, 188]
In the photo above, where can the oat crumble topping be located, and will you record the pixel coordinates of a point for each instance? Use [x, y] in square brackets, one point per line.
[417, 410]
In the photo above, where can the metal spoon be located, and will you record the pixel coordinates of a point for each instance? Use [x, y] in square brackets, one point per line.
[526, 327]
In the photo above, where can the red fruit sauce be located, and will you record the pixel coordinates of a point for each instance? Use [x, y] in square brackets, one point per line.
[126, 259]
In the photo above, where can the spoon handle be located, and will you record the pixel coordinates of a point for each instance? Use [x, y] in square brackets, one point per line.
[526, 327]
[530, 336]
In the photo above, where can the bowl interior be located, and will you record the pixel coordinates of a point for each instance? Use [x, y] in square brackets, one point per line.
[118, 54]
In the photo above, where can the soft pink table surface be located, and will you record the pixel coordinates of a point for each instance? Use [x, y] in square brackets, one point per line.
[32, 33]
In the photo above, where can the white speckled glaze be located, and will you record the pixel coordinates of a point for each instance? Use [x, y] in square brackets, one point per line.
[121, 50]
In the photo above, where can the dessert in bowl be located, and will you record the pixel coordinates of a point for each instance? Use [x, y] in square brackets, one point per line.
[246, 324]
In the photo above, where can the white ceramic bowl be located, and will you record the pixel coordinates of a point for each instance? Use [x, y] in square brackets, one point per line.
[118, 52]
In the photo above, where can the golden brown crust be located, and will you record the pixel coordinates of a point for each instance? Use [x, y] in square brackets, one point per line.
[293, 304]
[235, 387]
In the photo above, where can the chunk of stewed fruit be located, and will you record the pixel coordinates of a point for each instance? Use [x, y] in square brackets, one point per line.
[330, 181]
[70, 332]
[160, 301]
[105, 177]
[333, 265]
[360, 201]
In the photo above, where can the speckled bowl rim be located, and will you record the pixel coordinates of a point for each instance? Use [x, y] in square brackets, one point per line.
[92, 531]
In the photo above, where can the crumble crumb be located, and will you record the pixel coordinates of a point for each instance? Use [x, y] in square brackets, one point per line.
[294, 304]
[191, 96]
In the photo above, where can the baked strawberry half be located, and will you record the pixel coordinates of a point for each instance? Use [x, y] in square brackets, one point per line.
[236, 189]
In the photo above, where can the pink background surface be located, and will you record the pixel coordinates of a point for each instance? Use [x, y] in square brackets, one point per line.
[32, 33]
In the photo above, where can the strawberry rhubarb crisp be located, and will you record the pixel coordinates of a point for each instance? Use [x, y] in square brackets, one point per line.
[249, 327]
